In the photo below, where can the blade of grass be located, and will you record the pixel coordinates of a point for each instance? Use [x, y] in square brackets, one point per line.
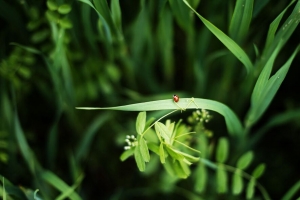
[56, 80]
[268, 92]
[13, 190]
[88, 27]
[241, 19]
[103, 9]
[72, 189]
[274, 25]
[283, 33]
[181, 14]
[24, 147]
[165, 37]
[258, 6]
[53, 140]
[59, 184]
[105, 24]
[227, 41]
[116, 14]
[85, 143]
[234, 125]
[263, 78]
[292, 191]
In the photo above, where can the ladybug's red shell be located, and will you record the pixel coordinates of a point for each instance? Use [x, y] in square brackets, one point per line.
[175, 98]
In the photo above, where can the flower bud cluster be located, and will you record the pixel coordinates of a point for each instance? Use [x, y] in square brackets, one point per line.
[131, 142]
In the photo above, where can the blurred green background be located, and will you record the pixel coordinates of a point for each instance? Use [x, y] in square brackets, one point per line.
[56, 55]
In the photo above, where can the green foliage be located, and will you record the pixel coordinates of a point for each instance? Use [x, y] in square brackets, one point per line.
[245, 160]
[169, 135]
[222, 150]
[227, 41]
[133, 56]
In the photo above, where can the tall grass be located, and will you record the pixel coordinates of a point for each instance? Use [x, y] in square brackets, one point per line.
[233, 57]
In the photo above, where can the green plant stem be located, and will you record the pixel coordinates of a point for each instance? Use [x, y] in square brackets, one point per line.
[158, 121]
[187, 146]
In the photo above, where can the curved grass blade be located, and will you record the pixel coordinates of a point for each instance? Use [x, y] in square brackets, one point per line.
[227, 41]
[101, 17]
[234, 125]
[85, 143]
[290, 194]
[103, 9]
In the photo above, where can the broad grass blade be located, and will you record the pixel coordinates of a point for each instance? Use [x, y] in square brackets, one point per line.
[267, 92]
[234, 125]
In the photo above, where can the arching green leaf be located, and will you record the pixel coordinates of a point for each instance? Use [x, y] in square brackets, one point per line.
[234, 125]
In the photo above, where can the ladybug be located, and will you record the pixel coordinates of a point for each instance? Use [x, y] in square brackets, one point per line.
[175, 98]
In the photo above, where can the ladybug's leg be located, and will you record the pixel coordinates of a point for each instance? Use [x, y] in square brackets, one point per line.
[192, 100]
[182, 109]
